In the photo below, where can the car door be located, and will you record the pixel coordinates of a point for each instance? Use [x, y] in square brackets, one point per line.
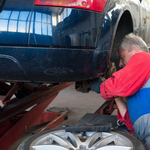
[145, 20]
[135, 12]
[15, 21]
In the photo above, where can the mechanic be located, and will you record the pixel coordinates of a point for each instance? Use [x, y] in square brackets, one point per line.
[133, 83]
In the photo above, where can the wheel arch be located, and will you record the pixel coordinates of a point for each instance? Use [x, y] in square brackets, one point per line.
[123, 27]
[126, 18]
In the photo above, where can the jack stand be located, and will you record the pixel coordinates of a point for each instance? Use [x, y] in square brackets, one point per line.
[107, 108]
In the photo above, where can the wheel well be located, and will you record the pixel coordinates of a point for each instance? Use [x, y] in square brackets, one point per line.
[125, 26]
[126, 19]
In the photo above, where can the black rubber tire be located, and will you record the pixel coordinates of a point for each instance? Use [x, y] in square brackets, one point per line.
[26, 144]
[136, 143]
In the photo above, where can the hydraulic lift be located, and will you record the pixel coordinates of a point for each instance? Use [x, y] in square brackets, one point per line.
[24, 107]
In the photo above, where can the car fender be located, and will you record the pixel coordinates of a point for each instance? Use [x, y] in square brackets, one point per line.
[112, 16]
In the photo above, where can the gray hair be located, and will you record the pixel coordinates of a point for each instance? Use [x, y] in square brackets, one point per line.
[132, 41]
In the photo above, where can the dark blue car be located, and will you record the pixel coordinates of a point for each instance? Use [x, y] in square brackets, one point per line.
[54, 41]
[49, 41]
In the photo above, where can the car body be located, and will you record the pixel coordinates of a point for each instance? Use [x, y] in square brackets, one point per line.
[46, 43]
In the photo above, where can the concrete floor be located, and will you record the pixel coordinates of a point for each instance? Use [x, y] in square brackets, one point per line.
[78, 104]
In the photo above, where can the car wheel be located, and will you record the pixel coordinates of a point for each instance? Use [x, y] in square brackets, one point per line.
[59, 139]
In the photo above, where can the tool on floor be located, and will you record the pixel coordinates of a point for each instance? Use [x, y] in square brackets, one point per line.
[90, 127]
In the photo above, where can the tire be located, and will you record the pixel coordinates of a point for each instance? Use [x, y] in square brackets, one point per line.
[56, 140]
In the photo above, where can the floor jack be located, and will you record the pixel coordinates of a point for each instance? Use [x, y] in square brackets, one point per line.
[24, 107]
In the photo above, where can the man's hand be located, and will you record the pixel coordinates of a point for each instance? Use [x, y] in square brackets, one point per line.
[95, 85]
[86, 86]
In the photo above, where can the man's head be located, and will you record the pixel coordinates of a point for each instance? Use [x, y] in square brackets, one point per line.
[130, 45]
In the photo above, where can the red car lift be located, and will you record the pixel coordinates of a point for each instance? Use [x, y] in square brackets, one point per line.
[14, 116]
[107, 108]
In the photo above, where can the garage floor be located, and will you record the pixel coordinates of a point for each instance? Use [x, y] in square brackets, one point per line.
[78, 104]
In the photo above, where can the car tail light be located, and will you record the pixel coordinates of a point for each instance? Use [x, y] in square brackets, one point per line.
[95, 5]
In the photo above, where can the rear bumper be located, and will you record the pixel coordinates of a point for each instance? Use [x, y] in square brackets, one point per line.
[34, 64]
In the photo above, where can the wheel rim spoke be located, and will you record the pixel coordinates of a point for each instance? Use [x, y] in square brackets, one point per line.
[61, 141]
[105, 141]
[48, 147]
[92, 139]
[75, 139]
[115, 148]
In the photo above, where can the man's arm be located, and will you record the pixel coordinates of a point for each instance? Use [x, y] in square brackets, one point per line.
[122, 106]
[122, 113]
[128, 80]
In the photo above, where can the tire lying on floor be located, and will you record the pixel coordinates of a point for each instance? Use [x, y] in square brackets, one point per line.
[59, 139]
